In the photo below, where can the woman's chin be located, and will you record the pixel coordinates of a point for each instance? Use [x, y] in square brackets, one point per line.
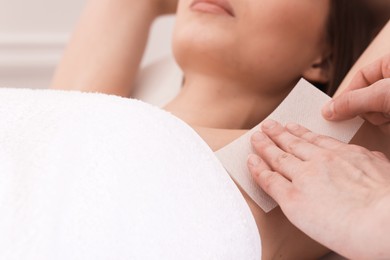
[201, 51]
[203, 36]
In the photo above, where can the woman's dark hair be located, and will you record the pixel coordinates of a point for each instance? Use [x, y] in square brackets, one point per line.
[352, 25]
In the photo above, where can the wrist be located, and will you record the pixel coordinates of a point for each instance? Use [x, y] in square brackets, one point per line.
[377, 228]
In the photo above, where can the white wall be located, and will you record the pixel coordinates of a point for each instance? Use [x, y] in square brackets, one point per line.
[33, 34]
[38, 16]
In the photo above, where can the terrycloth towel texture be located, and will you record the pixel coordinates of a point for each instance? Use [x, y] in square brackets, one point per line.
[90, 176]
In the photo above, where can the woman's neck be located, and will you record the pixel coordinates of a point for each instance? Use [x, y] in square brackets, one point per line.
[213, 103]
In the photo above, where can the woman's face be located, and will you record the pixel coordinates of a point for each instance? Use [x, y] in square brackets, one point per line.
[254, 42]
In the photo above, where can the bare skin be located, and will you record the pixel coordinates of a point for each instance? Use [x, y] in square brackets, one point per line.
[97, 61]
[89, 53]
[377, 49]
[370, 135]
[338, 194]
[367, 96]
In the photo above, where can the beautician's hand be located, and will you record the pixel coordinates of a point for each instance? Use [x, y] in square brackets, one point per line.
[336, 193]
[368, 95]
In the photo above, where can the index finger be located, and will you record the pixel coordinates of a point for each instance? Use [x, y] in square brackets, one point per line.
[372, 73]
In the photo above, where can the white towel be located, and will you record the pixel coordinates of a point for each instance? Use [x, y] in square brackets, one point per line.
[91, 176]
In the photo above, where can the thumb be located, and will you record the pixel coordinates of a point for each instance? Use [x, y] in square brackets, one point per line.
[375, 98]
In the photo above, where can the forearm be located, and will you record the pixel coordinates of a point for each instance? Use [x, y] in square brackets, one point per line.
[106, 48]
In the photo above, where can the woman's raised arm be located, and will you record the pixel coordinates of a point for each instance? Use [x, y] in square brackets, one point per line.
[106, 48]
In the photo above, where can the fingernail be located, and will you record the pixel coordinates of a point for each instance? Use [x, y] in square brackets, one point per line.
[292, 126]
[258, 136]
[328, 110]
[253, 160]
[269, 124]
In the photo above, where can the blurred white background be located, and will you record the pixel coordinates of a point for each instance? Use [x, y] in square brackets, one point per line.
[33, 35]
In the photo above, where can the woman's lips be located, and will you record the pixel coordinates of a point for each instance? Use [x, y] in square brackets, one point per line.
[213, 6]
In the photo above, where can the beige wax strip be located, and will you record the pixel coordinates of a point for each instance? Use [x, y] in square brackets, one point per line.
[302, 106]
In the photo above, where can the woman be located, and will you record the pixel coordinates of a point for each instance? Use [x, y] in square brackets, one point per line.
[235, 55]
